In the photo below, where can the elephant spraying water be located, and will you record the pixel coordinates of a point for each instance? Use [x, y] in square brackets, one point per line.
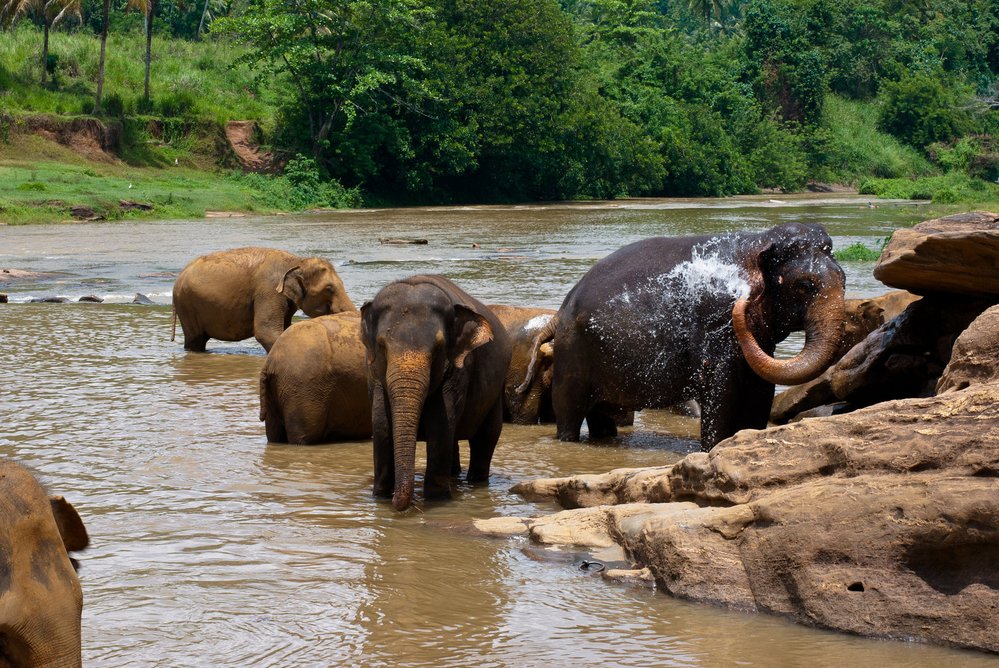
[669, 319]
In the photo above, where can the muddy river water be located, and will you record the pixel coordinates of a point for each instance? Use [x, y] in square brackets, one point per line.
[211, 547]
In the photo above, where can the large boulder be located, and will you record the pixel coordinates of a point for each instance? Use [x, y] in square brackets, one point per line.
[882, 522]
[957, 254]
[975, 357]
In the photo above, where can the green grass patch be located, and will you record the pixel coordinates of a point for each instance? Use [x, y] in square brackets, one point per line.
[951, 188]
[858, 252]
[189, 79]
[853, 148]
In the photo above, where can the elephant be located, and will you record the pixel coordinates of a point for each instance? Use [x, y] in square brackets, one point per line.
[669, 319]
[234, 294]
[314, 384]
[534, 404]
[436, 360]
[41, 601]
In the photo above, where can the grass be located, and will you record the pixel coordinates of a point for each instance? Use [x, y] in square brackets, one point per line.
[855, 149]
[951, 188]
[43, 188]
[190, 79]
[858, 252]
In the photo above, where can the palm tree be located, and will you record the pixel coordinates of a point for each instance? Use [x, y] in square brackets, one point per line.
[100, 66]
[50, 12]
[147, 7]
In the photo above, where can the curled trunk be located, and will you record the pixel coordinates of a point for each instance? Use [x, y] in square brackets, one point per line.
[407, 381]
[823, 328]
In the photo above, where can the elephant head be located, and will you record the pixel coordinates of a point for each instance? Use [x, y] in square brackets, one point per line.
[41, 601]
[795, 283]
[315, 287]
[417, 340]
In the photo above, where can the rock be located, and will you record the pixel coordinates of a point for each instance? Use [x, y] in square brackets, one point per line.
[399, 242]
[863, 316]
[3, 298]
[48, 300]
[142, 299]
[92, 299]
[975, 357]
[882, 522]
[618, 486]
[956, 254]
[84, 212]
[905, 357]
[129, 205]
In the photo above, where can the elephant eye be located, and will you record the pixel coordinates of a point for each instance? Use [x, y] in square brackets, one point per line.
[807, 286]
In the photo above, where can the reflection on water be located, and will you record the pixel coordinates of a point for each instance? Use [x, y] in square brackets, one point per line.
[212, 547]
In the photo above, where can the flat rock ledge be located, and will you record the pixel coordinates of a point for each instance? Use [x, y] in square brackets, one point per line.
[882, 522]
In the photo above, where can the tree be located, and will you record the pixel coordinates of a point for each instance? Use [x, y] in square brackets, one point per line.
[100, 66]
[148, 8]
[49, 12]
[343, 57]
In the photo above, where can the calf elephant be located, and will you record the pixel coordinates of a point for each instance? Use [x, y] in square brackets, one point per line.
[669, 319]
[314, 386]
[534, 403]
[436, 360]
[235, 294]
[41, 602]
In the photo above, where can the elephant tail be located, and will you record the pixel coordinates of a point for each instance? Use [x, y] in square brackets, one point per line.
[546, 334]
[265, 379]
[173, 332]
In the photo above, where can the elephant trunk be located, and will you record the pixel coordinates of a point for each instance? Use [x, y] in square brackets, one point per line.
[823, 328]
[407, 380]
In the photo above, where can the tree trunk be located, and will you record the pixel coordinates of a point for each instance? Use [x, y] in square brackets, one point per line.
[149, 44]
[100, 67]
[45, 53]
[201, 25]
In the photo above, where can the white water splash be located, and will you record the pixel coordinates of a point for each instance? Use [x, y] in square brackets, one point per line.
[537, 322]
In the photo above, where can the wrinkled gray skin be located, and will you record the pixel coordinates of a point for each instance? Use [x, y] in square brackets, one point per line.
[314, 385]
[436, 360]
[235, 294]
[41, 602]
[670, 319]
[534, 404]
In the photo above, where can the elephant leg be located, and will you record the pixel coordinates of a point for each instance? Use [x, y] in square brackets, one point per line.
[196, 343]
[570, 411]
[600, 421]
[442, 448]
[274, 427]
[734, 399]
[381, 437]
[482, 444]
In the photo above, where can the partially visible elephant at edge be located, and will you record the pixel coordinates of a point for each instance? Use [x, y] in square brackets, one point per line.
[41, 601]
[668, 319]
[436, 362]
[314, 385]
[234, 294]
[534, 403]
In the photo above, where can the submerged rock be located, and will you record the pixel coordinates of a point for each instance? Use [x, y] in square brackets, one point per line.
[975, 358]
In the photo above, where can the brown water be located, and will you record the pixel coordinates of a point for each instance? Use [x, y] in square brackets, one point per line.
[211, 547]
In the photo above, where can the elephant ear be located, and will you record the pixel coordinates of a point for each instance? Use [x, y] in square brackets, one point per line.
[74, 534]
[366, 333]
[759, 259]
[292, 285]
[471, 331]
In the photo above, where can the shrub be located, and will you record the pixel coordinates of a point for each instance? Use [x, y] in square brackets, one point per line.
[922, 108]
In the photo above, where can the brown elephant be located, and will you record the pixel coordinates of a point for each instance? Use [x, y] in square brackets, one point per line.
[436, 362]
[314, 385]
[235, 294]
[534, 403]
[41, 601]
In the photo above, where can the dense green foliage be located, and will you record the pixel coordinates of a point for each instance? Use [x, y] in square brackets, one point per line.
[464, 100]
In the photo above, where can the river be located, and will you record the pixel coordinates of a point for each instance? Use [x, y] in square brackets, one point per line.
[211, 547]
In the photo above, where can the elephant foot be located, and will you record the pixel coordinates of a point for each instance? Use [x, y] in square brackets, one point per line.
[437, 489]
[383, 491]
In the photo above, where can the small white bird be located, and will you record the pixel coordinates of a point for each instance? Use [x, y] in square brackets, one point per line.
[129, 186]
[176, 161]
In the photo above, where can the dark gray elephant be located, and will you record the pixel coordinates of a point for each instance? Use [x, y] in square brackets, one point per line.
[235, 294]
[41, 602]
[534, 403]
[436, 361]
[669, 319]
[314, 385]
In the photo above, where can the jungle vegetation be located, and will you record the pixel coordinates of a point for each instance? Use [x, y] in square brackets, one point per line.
[514, 100]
